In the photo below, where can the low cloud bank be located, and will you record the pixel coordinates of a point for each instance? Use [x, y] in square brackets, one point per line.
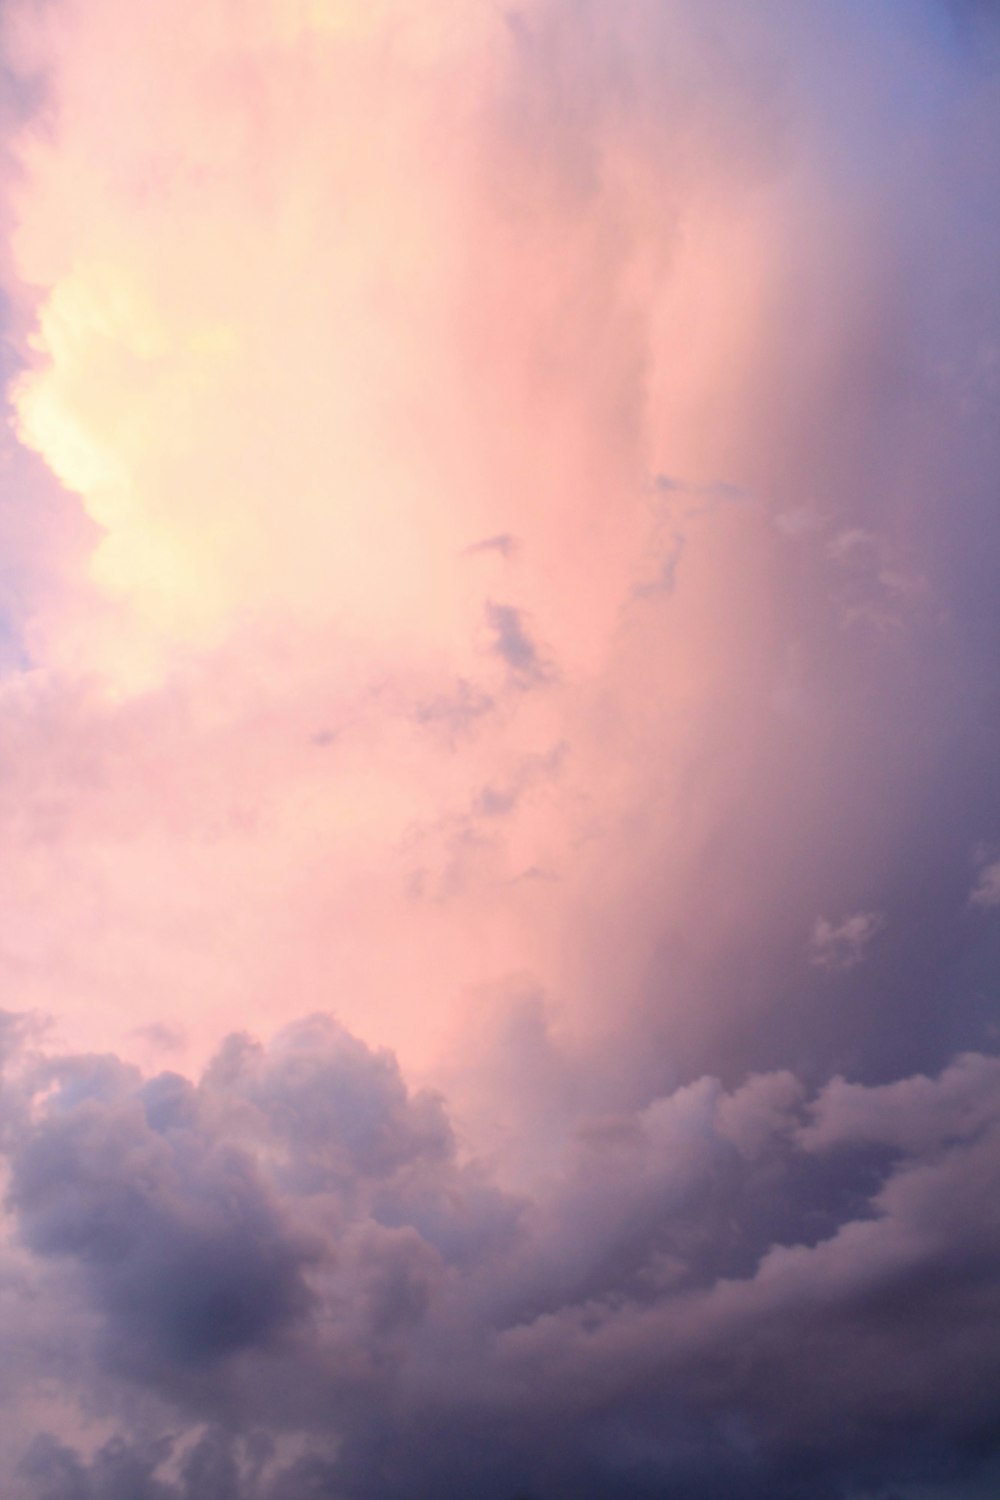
[287, 1279]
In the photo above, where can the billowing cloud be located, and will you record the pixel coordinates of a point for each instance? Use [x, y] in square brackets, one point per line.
[293, 1251]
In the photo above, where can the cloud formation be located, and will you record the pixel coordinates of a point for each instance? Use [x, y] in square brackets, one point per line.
[291, 1257]
[842, 945]
[986, 891]
[499, 541]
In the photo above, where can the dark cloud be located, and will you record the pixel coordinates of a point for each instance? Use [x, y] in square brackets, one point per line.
[747, 1291]
[213, 1467]
[177, 1237]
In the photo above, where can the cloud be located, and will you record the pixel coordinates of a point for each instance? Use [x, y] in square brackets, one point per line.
[183, 1251]
[986, 891]
[916, 1115]
[842, 945]
[296, 303]
[514, 644]
[294, 1244]
[504, 544]
[286, 378]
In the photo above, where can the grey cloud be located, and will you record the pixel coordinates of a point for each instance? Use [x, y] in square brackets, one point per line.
[178, 1239]
[915, 1115]
[743, 1291]
[514, 644]
[215, 1466]
[870, 1351]
[342, 1109]
[764, 1109]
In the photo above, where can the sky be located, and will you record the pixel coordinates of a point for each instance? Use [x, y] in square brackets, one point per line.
[499, 727]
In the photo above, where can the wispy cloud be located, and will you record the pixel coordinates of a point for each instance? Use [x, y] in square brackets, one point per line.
[985, 892]
[840, 946]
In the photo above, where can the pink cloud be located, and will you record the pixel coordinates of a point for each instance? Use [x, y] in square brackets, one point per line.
[445, 446]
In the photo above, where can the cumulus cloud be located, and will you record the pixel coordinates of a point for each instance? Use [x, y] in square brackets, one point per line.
[514, 644]
[294, 1249]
